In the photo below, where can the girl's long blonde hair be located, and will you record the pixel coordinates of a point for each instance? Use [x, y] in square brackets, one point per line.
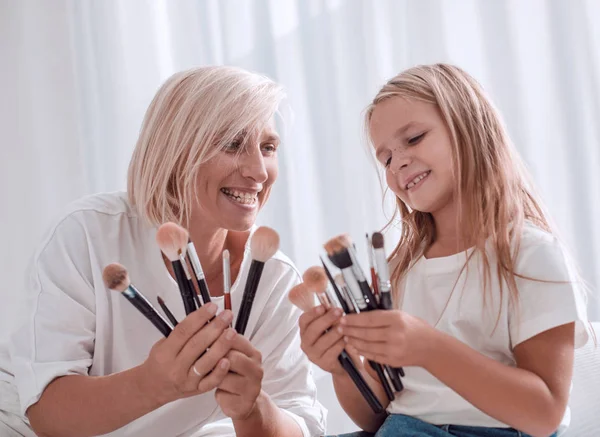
[487, 171]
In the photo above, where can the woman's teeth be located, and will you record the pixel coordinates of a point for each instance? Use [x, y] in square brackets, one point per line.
[240, 197]
[418, 179]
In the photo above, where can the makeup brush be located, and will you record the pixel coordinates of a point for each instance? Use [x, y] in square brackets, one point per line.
[341, 253]
[199, 273]
[167, 311]
[336, 290]
[385, 286]
[374, 282]
[383, 271]
[172, 240]
[304, 298]
[316, 280]
[339, 281]
[263, 245]
[301, 296]
[227, 279]
[116, 278]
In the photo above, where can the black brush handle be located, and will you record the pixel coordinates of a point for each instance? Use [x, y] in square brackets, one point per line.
[184, 287]
[149, 312]
[385, 303]
[254, 275]
[368, 296]
[384, 382]
[192, 287]
[360, 383]
[203, 287]
[168, 313]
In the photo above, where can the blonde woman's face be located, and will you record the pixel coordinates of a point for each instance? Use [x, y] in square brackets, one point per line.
[235, 184]
[413, 143]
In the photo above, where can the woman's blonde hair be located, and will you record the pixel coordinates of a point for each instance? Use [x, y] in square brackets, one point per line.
[487, 171]
[194, 114]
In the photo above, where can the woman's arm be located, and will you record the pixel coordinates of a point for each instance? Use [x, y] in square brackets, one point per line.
[80, 406]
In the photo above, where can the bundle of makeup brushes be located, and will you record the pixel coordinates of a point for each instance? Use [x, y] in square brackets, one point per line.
[352, 292]
[174, 242]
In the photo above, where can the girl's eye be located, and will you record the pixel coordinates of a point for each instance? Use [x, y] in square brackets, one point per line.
[416, 140]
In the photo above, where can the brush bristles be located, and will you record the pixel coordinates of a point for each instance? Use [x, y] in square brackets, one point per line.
[302, 297]
[264, 243]
[315, 279]
[172, 240]
[115, 277]
[337, 244]
[377, 240]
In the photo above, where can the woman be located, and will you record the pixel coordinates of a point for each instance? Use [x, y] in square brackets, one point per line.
[86, 363]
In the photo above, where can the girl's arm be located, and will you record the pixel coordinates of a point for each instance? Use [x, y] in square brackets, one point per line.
[531, 397]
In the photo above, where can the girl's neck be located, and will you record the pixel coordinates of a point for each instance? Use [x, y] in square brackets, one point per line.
[450, 238]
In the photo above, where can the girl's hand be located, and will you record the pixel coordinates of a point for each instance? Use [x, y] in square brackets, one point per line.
[322, 348]
[390, 337]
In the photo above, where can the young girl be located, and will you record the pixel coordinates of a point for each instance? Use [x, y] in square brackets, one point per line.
[489, 310]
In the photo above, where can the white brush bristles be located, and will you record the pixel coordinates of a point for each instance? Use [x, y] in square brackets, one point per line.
[172, 240]
[264, 243]
[302, 297]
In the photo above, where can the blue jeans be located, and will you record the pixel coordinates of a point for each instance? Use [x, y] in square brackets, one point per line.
[398, 425]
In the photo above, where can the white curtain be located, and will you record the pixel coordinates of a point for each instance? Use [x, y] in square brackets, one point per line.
[77, 75]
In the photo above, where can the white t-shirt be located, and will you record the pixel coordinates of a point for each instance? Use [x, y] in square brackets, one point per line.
[428, 289]
[73, 325]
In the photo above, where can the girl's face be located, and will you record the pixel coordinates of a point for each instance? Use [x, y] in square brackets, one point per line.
[235, 184]
[412, 141]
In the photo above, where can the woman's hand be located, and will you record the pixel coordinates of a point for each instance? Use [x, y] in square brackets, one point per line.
[390, 337]
[180, 366]
[238, 392]
[322, 348]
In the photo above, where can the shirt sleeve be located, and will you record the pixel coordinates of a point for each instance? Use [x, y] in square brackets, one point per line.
[288, 378]
[550, 293]
[56, 330]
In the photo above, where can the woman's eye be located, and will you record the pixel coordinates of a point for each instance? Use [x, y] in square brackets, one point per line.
[388, 161]
[269, 148]
[234, 146]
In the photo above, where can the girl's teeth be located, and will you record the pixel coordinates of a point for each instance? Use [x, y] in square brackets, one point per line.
[416, 180]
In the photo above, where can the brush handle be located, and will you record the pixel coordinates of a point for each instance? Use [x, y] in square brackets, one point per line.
[384, 382]
[203, 287]
[374, 282]
[254, 275]
[336, 290]
[385, 303]
[184, 287]
[143, 306]
[168, 313]
[370, 301]
[360, 383]
[192, 287]
[385, 300]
